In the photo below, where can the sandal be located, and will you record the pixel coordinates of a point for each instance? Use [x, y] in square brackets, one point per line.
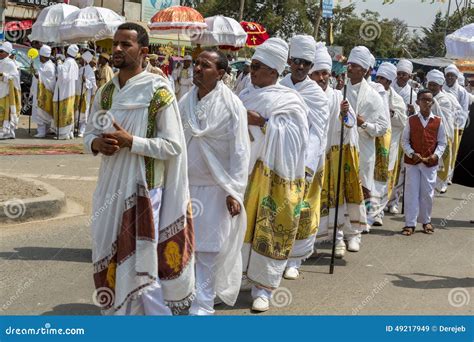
[428, 228]
[407, 231]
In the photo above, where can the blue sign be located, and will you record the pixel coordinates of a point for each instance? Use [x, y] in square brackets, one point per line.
[328, 6]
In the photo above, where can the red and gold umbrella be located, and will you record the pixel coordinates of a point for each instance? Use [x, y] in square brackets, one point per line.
[177, 19]
[256, 33]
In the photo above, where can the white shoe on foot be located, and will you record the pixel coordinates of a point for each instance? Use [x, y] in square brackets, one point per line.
[340, 249]
[377, 222]
[353, 244]
[393, 210]
[261, 304]
[291, 273]
[39, 135]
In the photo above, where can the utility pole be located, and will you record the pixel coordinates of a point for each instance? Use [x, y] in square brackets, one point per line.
[447, 21]
[241, 10]
[317, 21]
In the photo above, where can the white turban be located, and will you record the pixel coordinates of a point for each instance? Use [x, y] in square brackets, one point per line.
[188, 58]
[373, 61]
[45, 51]
[435, 76]
[6, 47]
[73, 50]
[461, 79]
[404, 65]
[387, 70]
[87, 57]
[303, 46]
[360, 55]
[451, 69]
[322, 59]
[273, 53]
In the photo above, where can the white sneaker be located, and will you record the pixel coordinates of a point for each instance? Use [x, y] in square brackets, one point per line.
[353, 244]
[393, 210]
[291, 273]
[340, 249]
[80, 135]
[450, 182]
[261, 304]
[40, 135]
[377, 222]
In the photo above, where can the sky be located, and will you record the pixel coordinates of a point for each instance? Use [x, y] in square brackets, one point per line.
[414, 12]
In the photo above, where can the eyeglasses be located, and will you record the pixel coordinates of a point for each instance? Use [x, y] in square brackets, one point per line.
[256, 67]
[299, 61]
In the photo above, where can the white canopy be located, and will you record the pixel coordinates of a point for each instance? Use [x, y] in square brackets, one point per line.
[460, 44]
[90, 23]
[222, 31]
[45, 29]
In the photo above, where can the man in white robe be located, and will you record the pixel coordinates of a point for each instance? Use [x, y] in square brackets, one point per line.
[185, 77]
[243, 80]
[142, 233]
[42, 89]
[352, 216]
[386, 75]
[10, 93]
[302, 51]
[86, 88]
[278, 127]
[216, 131]
[65, 95]
[371, 121]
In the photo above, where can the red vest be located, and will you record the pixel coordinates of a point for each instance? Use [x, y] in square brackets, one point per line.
[423, 140]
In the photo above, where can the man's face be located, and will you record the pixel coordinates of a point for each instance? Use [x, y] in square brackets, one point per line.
[261, 74]
[187, 64]
[299, 68]
[127, 53]
[102, 61]
[321, 77]
[425, 101]
[355, 71]
[402, 78]
[383, 81]
[43, 59]
[451, 79]
[206, 74]
[153, 62]
[434, 87]
[3, 55]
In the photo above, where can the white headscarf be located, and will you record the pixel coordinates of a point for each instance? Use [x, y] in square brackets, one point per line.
[188, 58]
[273, 53]
[73, 50]
[45, 51]
[303, 46]
[6, 47]
[435, 76]
[322, 59]
[452, 69]
[405, 65]
[87, 57]
[461, 79]
[373, 61]
[360, 55]
[388, 71]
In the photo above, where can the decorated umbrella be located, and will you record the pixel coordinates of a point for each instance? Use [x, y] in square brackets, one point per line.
[224, 32]
[460, 44]
[90, 23]
[45, 28]
[256, 33]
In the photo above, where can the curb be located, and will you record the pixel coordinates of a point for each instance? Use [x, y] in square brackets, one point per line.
[20, 210]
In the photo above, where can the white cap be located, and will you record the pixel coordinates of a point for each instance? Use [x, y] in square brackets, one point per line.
[373, 61]
[404, 65]
[188, 58]
[73, 50]
[360, 55]
[45, 51]
[435, 76]
[87, 56]
[387, 70]
[322, 59]
[452, 69]
[6, 47]
[303, 46]
[273, 53]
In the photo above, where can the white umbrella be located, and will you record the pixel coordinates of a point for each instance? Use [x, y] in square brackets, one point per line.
[222, 31]
[45, 28]
[90, 23]
[460, 44]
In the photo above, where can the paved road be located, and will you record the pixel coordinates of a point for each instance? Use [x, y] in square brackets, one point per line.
[45, 267]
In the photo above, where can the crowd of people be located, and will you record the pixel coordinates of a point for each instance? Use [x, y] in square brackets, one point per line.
[208, 188]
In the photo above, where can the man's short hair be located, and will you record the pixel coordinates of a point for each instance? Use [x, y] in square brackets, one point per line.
[423, 91]
[142, 36]
[222, 62]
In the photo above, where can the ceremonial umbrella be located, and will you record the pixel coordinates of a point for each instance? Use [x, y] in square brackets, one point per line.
[460, 44]
[256, 33]
[224, 32]
[90, 23]
[46, 27]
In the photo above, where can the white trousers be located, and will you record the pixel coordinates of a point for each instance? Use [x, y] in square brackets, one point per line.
[420, 182]
[151, 303]
[261, 292]
[203, 303]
